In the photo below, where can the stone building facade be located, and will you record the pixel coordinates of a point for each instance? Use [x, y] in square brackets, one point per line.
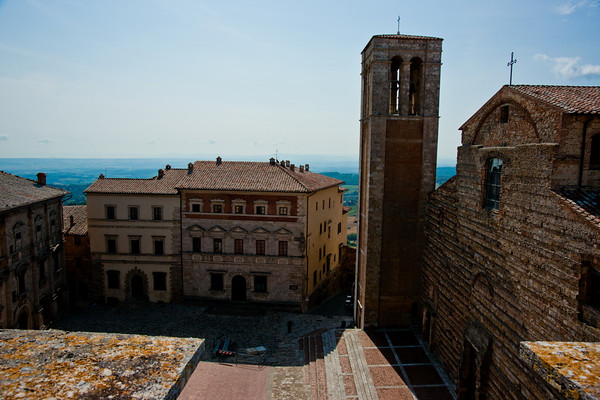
[242, 231]
[512, 249]
[398, 149]
[33, 285]
[134, 232]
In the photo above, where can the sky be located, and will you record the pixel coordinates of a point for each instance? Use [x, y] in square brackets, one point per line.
[185, 78]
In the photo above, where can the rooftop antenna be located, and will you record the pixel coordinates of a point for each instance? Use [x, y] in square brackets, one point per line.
[510, 64]
[398, 25]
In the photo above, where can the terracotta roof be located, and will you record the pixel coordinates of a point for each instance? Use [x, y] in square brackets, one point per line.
[572, 99]
[402, 36]
[253, 176]
[583, 201]
[79, 214]
[18, 192]
[156, 185]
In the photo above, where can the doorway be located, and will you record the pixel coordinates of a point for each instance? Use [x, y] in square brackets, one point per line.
[137, 287]
[23, 320]
[238, 288]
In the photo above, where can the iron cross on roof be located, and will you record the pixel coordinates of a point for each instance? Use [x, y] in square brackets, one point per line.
[510, 64]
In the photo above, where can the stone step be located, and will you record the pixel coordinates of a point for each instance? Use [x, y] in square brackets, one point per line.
[360, 369]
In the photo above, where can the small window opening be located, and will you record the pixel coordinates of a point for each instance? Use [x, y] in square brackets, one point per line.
[492, 184]
[504, 114]
[595, 152]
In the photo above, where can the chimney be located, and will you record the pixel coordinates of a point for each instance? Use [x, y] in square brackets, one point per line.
[101, 176]
[272, 161]
[282, 163]
[168, 167]
[161, 173]
[190, 168]
[219, 160]
[41, 178]
[71, 221]
[306, 167]
[301, 168]
[292, 166]
[287, 163]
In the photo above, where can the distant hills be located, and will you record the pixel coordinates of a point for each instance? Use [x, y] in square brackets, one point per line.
[76, 174]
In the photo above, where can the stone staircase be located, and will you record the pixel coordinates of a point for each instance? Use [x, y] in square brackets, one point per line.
[351, 364]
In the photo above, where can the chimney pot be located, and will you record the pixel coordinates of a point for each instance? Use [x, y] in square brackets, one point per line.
[282, 163]
[272, 161]
[161, 173]
[306, 167]
[292, 166]
[287, 163]
[41, 178]
[190, 168]
[219, 160]
[101, 176]
[301, 168]
[168, 167]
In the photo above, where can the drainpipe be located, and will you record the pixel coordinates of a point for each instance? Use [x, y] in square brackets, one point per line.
[582, 156]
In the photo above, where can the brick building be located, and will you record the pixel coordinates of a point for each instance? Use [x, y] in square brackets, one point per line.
[78, 260]
[242, 231]
[512, 248]
[33, 286]
[398, 150]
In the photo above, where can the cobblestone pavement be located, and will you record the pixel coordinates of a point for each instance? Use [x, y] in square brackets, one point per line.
[265, 328]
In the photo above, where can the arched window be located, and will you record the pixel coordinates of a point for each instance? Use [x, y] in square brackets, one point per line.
[492, 183]
[416, 89]
[395, 93]
[595, 152]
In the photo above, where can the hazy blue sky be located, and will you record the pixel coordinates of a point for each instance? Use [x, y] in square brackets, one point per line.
[181, 78]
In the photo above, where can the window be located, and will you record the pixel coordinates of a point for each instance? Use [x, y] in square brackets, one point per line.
[160, 280]
[159, 247]
[196, 207]
[339, 228]
[260, 283]
[134, 245]
[320, 228]
[260, 247]
[314, 278]
[589, 286]
[77, 240]
[217, 245]
[595, 152]
[283, 211]
[196, 245]
[330, 202]
[239, 209]
[157, 213]
[316, 206]
[395, 93]
[111, 212]
[239, 246]
[283, 248]
[22, 286]
[134, 213]
[504, 114]
[492, 184]
[320, 253]
[329, 231]
[260, 210]
[42, 271]
[216, 281]
[111, 245]
[113, 279]
[217, 208]
[18, 240]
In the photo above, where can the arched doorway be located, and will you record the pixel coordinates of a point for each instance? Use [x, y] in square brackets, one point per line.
[137, 287]
[23, 320]
[238, 288]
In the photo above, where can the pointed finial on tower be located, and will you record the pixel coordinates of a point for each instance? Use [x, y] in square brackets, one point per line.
[398, 24]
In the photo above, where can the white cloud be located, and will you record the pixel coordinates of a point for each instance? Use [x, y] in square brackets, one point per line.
[569, 7]
[46, 141]
[212, 142]
[568, 67]
[3, 137]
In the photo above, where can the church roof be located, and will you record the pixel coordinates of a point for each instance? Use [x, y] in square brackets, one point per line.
[79, 214]
[254, 176]
[402, 36]
[18, 192]
[572, 99]
[584, 201]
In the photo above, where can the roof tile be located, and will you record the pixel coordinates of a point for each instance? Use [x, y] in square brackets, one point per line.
[572, 99]
[17, 192]
[79, 214]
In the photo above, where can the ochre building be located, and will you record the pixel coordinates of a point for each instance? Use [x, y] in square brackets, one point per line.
[243, 231]
[512, 250]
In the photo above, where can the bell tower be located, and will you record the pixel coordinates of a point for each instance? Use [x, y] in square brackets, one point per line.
[398, 151]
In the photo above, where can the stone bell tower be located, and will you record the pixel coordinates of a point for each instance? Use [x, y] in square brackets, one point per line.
[398, 150]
